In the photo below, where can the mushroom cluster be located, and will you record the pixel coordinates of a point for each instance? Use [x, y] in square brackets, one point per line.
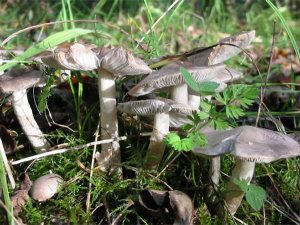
[110, 63]
[204, 65]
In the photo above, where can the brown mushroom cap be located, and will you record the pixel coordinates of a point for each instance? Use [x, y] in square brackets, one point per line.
[252, 144]
[170, 76]
[19, 79]
[222, 52]
[72, 56]
[120, 61]
[45, 187]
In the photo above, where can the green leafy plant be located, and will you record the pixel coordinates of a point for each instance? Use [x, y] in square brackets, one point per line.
[255, 195]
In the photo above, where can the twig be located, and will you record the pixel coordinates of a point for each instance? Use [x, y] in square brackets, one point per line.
[63, 150]
[157, 21]
[263, 88]
[6, 165]
[92, 167]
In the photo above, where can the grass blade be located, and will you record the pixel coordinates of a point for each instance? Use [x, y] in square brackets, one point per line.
[286, 27]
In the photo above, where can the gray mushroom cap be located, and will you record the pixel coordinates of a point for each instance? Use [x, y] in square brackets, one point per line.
[170, 75]
[152, 106]
[19, 79]
[144, 107]
[249, 143]
[222, 52]
[120, 61]
[72, 56]
[45, 187]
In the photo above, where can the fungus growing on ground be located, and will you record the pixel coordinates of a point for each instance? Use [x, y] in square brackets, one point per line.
[169, 78]
[175, 201]
[45, 187]
[249, 145]
[225, 49]
[161, 109]
[109, 63]
[16, 82]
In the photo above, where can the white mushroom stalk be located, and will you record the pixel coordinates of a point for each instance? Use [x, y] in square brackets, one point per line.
[110, 63]
[114, 62]
[162, 109]
[249, 145]
[16, 82]
[25, 117]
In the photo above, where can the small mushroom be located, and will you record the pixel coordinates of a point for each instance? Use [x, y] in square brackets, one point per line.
[45, 187]
[16, 82]
[166, 112]
[176, 201]
[160, 110]
[249, 145]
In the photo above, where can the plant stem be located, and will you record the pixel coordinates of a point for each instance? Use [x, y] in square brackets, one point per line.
[5, 188]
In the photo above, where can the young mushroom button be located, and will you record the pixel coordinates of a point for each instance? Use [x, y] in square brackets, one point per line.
[16, 82]
[45, 187]
[249, 145]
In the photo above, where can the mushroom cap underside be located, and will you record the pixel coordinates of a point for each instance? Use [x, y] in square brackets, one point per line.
[150, 107]
[170, 76]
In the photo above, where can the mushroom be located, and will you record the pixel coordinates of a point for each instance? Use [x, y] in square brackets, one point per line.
[162, 109]
[170, 78]
[114, 63]
[222, 51]
[249, 145]
[45, 187]
[16, 82]
[176, 201]
[110, 63]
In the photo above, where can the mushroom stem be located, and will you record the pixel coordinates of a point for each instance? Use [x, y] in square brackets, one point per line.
[179, 93]
[110, 155]
[156, 148]
[234, 195]
[194, 100]
[214, 171]
[25, 117]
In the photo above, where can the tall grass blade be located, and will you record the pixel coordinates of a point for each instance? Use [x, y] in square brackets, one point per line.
[5, 188]
[286, 27]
